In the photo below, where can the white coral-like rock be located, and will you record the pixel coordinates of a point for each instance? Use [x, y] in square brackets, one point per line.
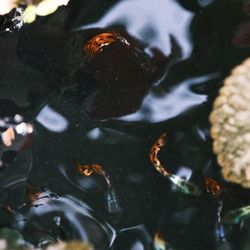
[43, 8]
[230, 130]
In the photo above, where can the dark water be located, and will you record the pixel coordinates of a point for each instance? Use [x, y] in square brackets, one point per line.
[109, 110]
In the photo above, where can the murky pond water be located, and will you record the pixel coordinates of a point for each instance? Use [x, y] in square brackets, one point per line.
[99, 82]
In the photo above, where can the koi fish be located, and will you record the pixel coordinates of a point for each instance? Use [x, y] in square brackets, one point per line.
[236, 216]
[87, 170]
[113, 205]
[220, 235]
[97, 43]
[111, 197]
[213, 188]
[220, 232]
[154, 155]
[37, 197]
[183, 185]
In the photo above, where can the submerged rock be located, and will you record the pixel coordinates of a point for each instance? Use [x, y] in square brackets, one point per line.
[13, 240]
[230, 130]
[73, 245]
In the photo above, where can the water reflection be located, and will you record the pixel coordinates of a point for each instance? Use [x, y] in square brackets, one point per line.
[18, 171]
[112, 60]
[86, 207]
[108, 135]
[160, 107]
[133, 238]
[77, 221]
[141, 21]
[52, 120]
[204, 3]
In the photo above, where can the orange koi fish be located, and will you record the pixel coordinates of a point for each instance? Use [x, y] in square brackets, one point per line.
[97, 43]
[183, 185]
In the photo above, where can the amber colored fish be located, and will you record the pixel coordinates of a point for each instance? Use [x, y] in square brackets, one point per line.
[97, 43]
[87, 170]
[33, 193]
[113, 205]
[213, 188]
[37, 197]
[183, 185]
[236, 216]
[154, 155]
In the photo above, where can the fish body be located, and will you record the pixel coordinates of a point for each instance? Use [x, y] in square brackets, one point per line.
[98, 42]
[236, 216]
[185, 186]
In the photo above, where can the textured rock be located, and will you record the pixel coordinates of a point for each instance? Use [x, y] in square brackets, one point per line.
[230, 130]
[73, 245]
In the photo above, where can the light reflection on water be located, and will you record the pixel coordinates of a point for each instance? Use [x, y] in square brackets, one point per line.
[157, 108]
[52, 120]
[108, 135]
[122, 145]
[68, 217]
[136, 238]
[205, 3]
[141, 21]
